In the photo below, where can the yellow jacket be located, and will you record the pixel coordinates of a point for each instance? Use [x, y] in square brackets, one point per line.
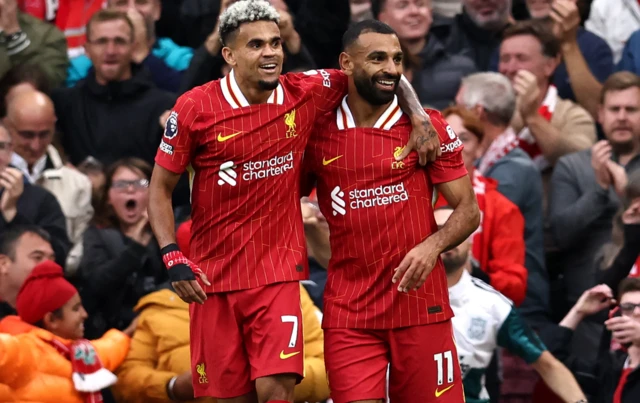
[32, 370]
[160, 350]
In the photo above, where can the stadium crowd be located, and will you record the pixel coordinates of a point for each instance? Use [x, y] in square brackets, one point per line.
[544, 95]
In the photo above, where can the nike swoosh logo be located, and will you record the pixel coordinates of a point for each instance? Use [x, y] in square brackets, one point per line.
[284, 356]
[222, 138]
[440, 392]
[327, 162]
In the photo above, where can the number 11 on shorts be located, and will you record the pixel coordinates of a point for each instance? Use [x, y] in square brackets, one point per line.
[440, 362]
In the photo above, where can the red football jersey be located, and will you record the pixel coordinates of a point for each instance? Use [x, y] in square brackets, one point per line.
[244, 163]
[378, 209]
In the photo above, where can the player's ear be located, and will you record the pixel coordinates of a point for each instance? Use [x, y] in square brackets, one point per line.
[229, 57]
[346, 64]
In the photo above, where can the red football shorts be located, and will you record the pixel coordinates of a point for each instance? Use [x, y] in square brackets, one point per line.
[424, 364]
[239, 336]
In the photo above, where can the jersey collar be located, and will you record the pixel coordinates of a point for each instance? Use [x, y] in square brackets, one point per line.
[236, 98]
[391, 115]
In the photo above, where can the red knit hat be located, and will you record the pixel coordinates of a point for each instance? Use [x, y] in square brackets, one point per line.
[183, 238]
[44, 290]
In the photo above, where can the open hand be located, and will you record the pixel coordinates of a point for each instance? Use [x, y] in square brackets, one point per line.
[600, 154]
[12, 181]
[625, 330]
[527, 91]
[416, 266]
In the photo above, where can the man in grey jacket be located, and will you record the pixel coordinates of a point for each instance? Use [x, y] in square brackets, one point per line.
[492, 98]
[584, 193]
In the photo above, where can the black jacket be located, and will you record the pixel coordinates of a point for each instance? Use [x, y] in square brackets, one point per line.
[114, 274]
[113, 121]
[461, 36]
[437, 79]
[38, 207]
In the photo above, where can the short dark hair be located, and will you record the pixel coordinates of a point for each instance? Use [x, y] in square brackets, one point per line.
[108, 15]
[538, 29]
[10, 237]
[619, 81]
[629, 284]
[377, 6]
[242, 12]
[20, 74]
[365, 27]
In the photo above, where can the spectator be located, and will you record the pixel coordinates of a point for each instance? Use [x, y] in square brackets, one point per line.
[19, 79]
[477, 31]
[27, 40]
[114, 112]
[498, 247]
[43, 356]
[208, 63]
[484, 319]
[548, 126]
[437, 74]
[587, 60]
[121, 261]
[66, 16]
[21, 249]
[31, 120]
[22, 203]
[618, 259]
[583, 199]
[614, 21]
[161, 56]
[493, 100]
[616, 371]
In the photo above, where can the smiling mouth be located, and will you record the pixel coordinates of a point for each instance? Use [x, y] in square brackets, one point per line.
[269, 67]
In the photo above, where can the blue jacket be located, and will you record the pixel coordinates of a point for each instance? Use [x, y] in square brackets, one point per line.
[166, 62]
[630, 60]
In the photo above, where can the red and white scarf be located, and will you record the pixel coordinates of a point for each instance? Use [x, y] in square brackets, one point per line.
[500, 146]
[527, 141]
[89, 376]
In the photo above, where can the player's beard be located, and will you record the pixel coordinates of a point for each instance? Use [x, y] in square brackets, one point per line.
[454, 261]
[268, 85]
[366, 87]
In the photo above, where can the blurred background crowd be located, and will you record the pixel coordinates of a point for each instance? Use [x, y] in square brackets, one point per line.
[544, 94]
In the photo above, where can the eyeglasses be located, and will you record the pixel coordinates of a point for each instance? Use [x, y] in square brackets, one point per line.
[139, 184]
[628, 308]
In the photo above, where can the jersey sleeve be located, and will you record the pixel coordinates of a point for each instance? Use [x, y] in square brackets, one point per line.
[449, 166]
[327, 87]
[517, 337]
[178, 141]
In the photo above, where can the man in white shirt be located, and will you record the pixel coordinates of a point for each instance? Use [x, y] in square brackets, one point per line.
[485, 319]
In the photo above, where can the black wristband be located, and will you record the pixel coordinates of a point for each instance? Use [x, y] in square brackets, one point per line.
[172, 247]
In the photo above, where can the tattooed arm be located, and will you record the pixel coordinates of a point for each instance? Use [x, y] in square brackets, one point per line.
[424, 138]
